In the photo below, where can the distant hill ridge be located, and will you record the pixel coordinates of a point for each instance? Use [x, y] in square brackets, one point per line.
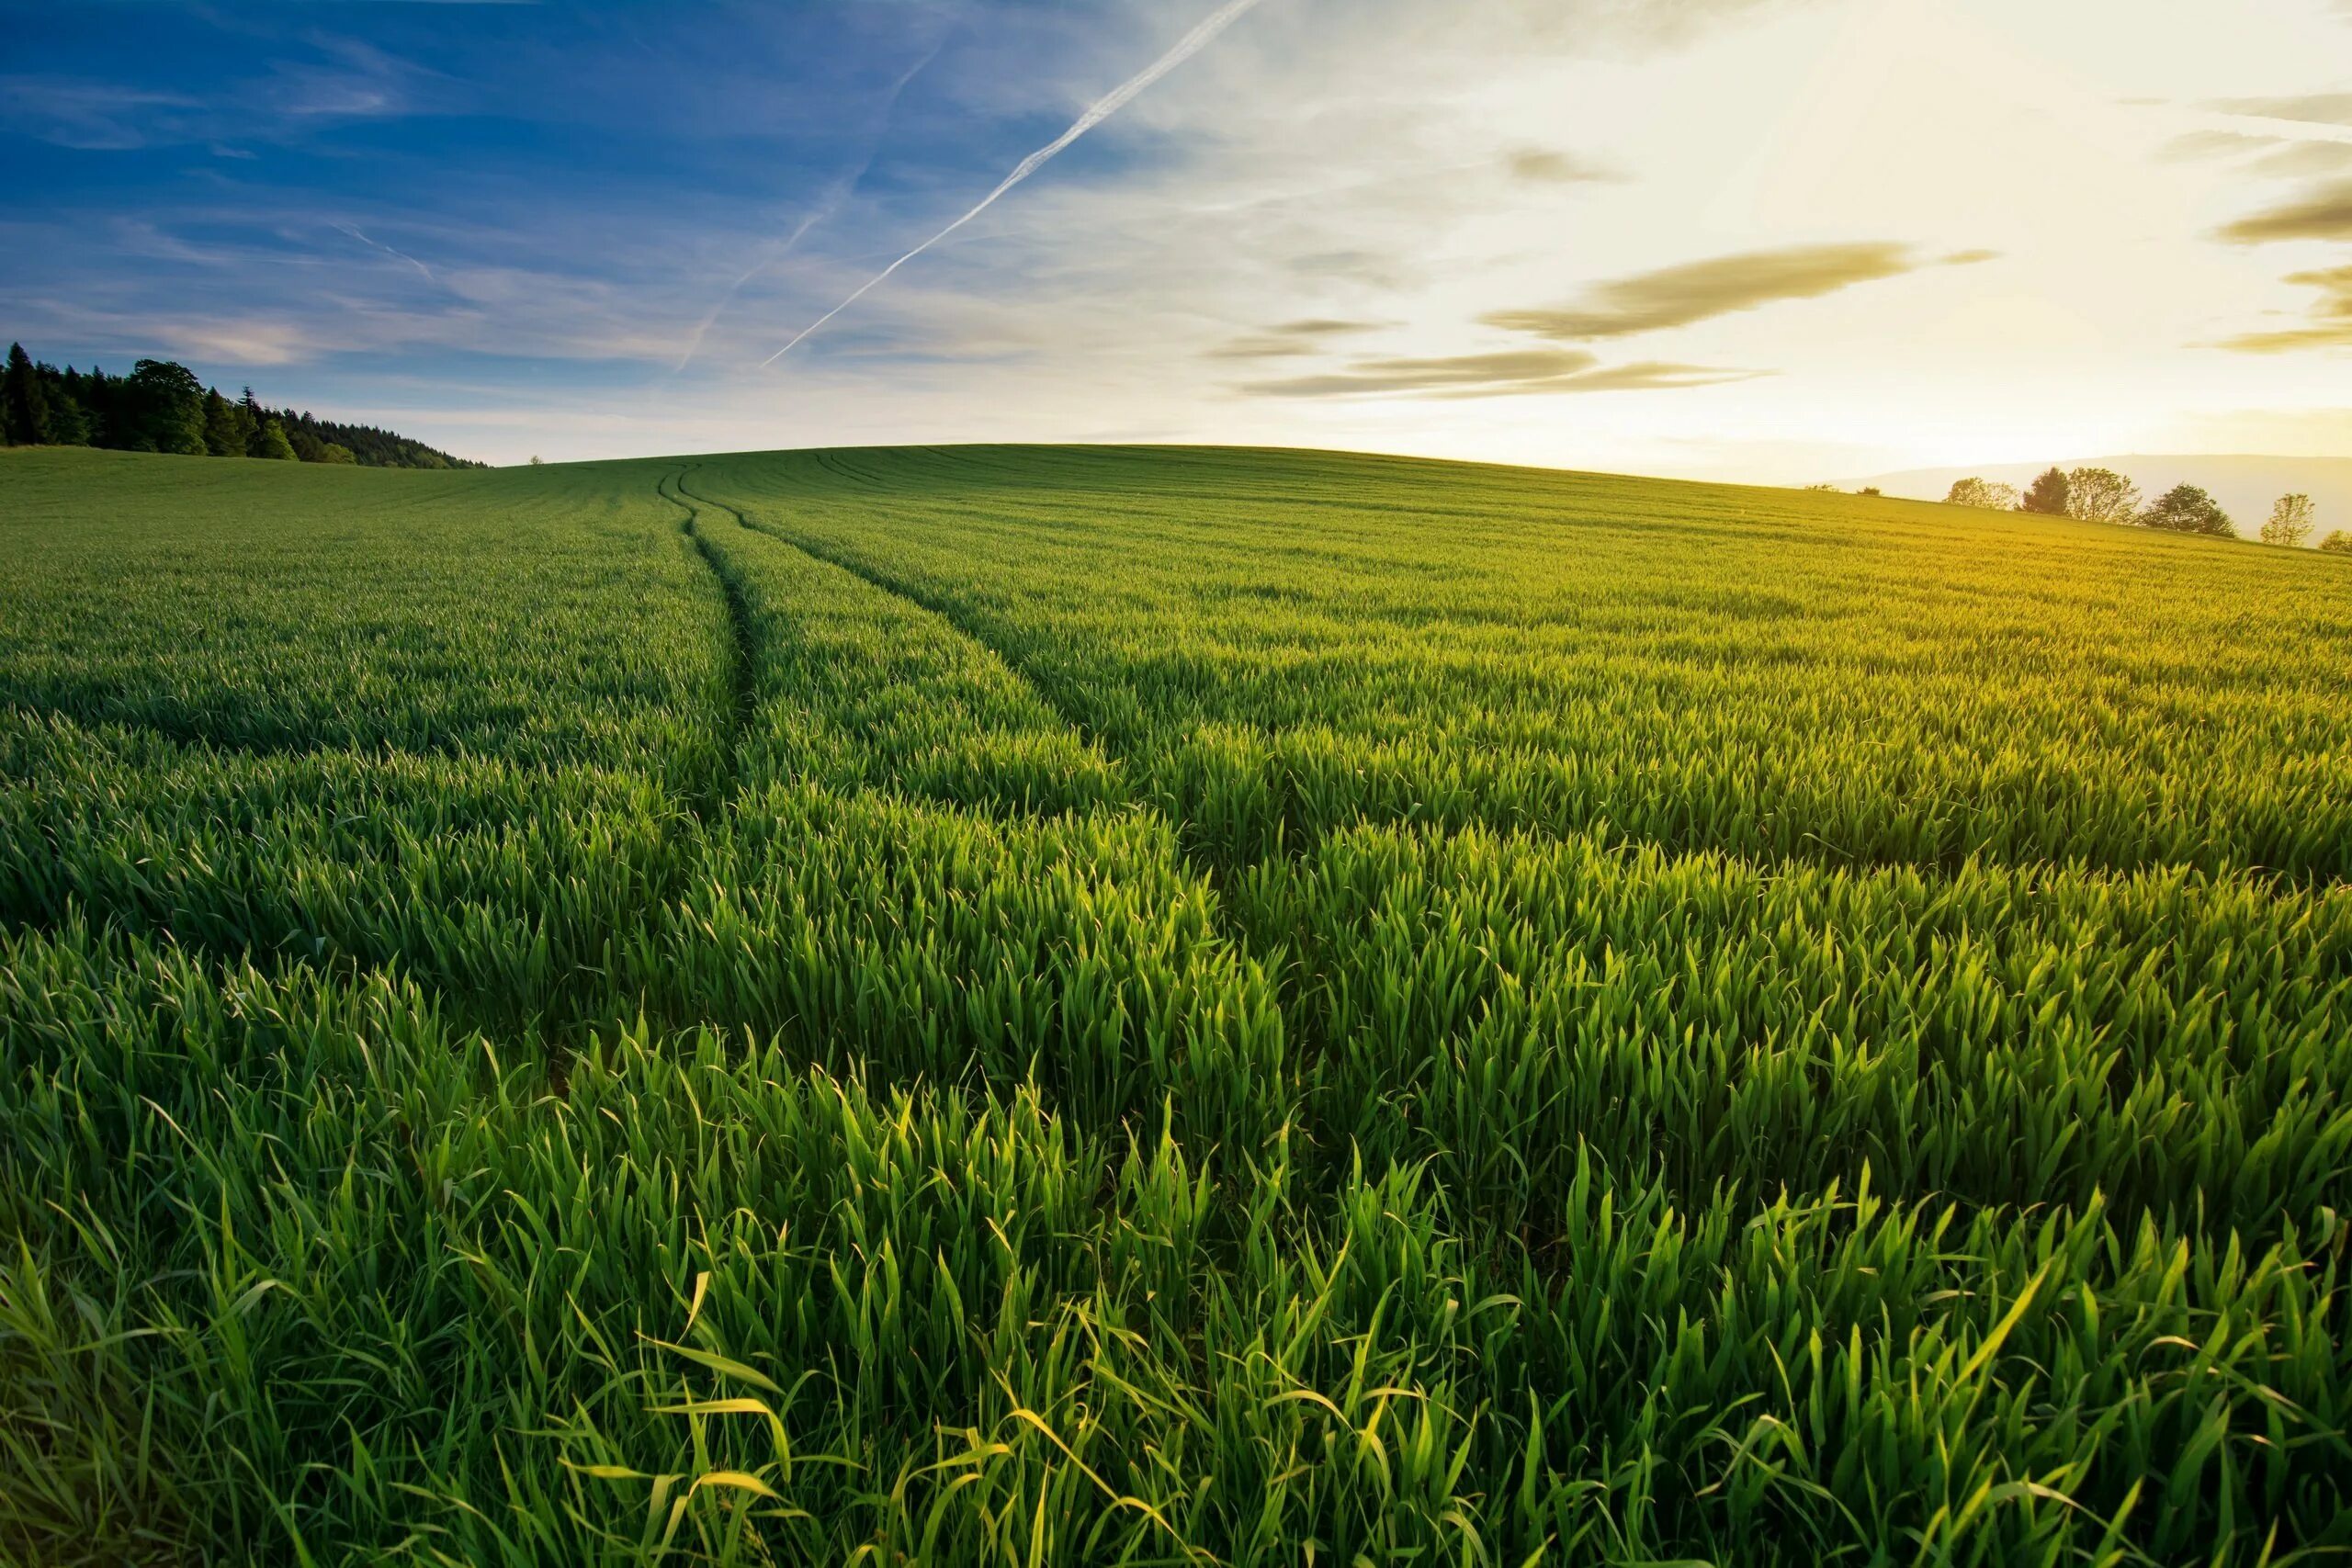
[162, 406]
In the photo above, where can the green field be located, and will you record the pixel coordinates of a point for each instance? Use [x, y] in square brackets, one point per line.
[1078, 1005]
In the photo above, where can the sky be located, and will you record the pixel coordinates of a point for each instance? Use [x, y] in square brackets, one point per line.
[1770, 239]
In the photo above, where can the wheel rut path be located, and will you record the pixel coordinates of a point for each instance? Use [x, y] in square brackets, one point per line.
[1214, 876]
[741, 653]
[962, 623]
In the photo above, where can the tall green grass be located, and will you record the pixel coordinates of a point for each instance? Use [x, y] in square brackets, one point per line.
[1282, 644]
[1040, 1006]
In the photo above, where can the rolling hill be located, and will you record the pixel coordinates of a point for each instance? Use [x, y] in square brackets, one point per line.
[1065, 1005]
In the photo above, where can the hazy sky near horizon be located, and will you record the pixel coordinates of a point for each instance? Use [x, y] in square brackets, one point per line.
[1776, 239]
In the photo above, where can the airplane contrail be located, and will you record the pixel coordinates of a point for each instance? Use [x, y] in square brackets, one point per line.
[841, 192]
[775, 252]
[1102, 108]
[353, 230]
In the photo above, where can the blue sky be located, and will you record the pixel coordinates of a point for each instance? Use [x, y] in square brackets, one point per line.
[485, 194]
[1753, 238]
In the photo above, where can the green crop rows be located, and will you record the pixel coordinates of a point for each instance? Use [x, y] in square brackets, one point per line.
[1028, 1006]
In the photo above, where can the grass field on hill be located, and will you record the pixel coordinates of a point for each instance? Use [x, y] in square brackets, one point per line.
[1078, 1005]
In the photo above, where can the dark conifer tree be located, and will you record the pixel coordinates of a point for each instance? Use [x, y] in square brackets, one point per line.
[245, 425]
[257, 418]
[220, 439]
[24, 402]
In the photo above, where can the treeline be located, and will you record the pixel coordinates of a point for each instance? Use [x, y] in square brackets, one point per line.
[2102, 495]
[161, 407]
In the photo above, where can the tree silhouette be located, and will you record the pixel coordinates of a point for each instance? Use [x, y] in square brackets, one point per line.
[161, 407]
[2102, 495]
[2291, 521]
[2185, 509]
[2046, 496]
[220, 436]
[24, 401]
[1987, 493]
[167, 408]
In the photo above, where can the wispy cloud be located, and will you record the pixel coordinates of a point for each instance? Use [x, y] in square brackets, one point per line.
[2299, 159]
[1504, 373]
[91, 117]
[2316, 108]
[251, 341]
[1289, 340]
[2331, 317]
[2324, 213]
[2274, 157]
[1545, 165]
[1698, 291]
[352, 80]
[1323, 327]
[344, 80]
[2192, 145]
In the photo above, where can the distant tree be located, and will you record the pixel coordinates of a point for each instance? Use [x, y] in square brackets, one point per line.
[2338, 543]
[254, 419]
[161, 407]
[272, 442]
[2046, 496]
[68, 424]
[167, 406]
[536, 461]
[221, 435]
[2290, 522]
[24, 401]
[245, 425]
[104, 402]
[1989, 494]
[2102, 495]
[2185, 509]
[1867, 490]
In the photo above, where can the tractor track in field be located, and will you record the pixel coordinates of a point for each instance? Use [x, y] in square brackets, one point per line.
[1215, 876]
[1304, 1036]
[825, 559]
[962, 624]
[741, 653]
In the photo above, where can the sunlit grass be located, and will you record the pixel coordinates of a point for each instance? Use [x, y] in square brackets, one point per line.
[1033, 1006]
